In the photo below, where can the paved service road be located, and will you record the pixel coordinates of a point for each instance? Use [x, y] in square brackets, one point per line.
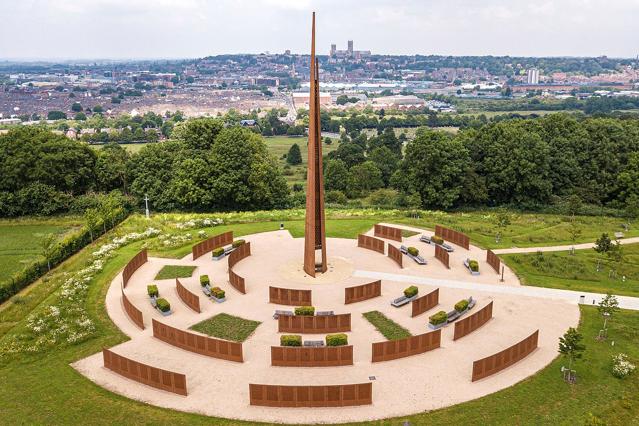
[558, 248]
[570, 296]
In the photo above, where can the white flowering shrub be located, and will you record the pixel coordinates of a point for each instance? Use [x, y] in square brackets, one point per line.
[199, 223]
[621, 367]
[174, 240]
[66, 320]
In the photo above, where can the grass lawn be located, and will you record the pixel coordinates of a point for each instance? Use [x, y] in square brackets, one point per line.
[37, 388]
[279, 145]
[406, 233]
[21, 239]
[227, 327]
[578, 272]
[389, 328]
[525, 230]
[175, 271]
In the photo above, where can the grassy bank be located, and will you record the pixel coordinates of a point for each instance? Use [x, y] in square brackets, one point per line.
[579, 271]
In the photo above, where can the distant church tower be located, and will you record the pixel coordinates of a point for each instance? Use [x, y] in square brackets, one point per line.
[315, 230]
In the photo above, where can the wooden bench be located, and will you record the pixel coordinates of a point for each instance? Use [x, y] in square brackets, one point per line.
[324, 313]
[314, 343]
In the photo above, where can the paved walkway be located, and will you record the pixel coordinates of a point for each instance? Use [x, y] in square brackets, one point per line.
[570, 296]
[559, 248]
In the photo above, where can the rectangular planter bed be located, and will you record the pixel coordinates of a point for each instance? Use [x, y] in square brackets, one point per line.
[438, 326]
[220, 257]
[467, 265]
[165, 314]
[223, 299]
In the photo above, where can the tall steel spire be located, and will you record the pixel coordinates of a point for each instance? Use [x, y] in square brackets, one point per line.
[315, 230]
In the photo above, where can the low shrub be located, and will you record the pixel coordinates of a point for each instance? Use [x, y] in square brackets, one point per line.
[473, 265]
[437, 240]
[411, 291]
[621, 367]
[439, 318]
[305, 310]
[413, 251]
[163, 305]
[204, 280]
[461, 305]
[291, 340]
[218, 252]
[218, 292]
[152, 290]
[339, 339]
[238, 243]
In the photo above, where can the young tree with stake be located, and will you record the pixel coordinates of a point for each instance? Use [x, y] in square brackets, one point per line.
[608, 306]
[570, 347]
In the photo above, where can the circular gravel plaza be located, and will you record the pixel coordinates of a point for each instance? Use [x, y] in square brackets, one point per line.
[438, 378]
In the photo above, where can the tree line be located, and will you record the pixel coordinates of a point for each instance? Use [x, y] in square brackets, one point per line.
[207, 165]
[522, 163]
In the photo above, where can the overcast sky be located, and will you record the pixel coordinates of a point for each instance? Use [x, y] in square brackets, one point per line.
[63, 29]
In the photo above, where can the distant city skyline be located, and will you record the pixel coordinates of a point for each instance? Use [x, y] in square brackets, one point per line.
[167, 29]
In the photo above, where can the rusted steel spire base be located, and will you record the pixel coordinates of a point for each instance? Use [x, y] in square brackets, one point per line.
[315, 230]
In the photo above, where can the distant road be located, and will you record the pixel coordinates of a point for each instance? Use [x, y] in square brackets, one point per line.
[559, 248]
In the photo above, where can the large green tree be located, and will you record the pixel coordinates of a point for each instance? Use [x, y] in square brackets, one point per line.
[198, 133]
[243, 174]
[294, 155]
[433, 167]
[335, 175]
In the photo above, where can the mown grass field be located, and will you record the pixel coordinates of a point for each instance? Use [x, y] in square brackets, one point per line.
[21, 239]
[41, 388]
[279, 145]
[579, 271]
[130, 147]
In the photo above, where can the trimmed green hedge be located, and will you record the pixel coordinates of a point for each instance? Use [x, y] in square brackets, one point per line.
[411, 291]
[163, 305]
[62, 251]
[439, 318]
[437, 240]
[339, 339]
[305, 310]
[473, 265]
[413, 251]
[218, 252]
[204, 280]
[461, 305]
[291, 340]
[152, 290]
[218, 292]
[237, 243]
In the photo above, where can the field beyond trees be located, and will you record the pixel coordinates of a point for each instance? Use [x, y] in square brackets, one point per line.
[21, 240]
